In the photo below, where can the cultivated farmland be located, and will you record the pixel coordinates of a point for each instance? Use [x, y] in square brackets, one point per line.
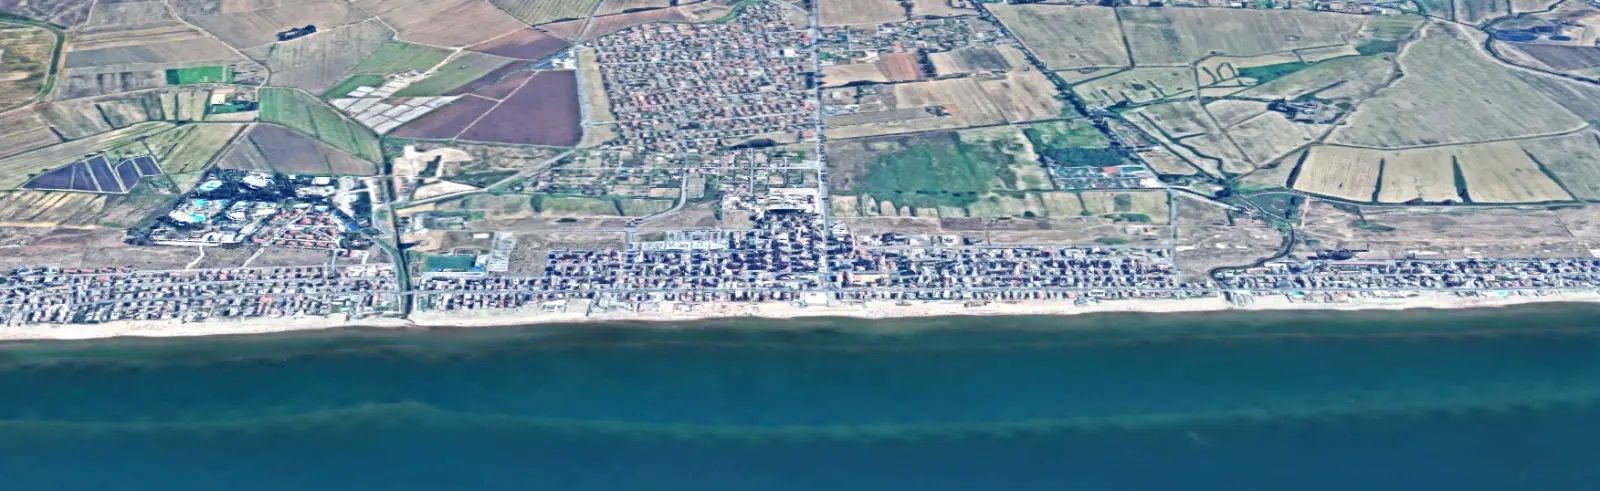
[319, 61]
[25, 56]
[1271, 135]
[1067, 37]
[1352, 77]
[1574, 159]
[292, 153]
[1183, 35]
[1425, 174]
[1501, 172]
[526, 44]
[453, 23]
[978, 59]
[852, 12]
[302, 112]
[190, 148]
[1340, 172]
[17, 169]
[23, 130]
[1137, 86]
[400, 57]
[166, 43]
[621, 6]
[543, 11]
[1451, 93]
[243, 24]
[458, 71]
[543, 112]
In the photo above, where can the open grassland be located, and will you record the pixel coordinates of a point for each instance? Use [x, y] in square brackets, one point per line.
[1147, 125]
[598, 107]
[243, 24]
[22, 130]
[1271, 135]
[1452, 93]
[571, 206]
[1177, 119]
[1218, 147]
[1137, 86]
[166, 43]
[1574, 159]
[302, 112]
[1230, 112]
[461, 69]
[852, 12]
[400, 57]
[978, 59]
[319, 61]
[25, 56]
[1424, 175]
[1384, 34]
[449, 23]
[74, 119]
[191, 148]
[543, 11]
[1340, 172]
[1351, 77]
[1183, 35]
[1502, 173]
[199, 75]
[1136, 206]
[18, 169]
[1164, 161]
[1067, 37]
[1477, 11]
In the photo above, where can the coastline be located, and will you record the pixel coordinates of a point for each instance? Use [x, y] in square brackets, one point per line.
[669, 313]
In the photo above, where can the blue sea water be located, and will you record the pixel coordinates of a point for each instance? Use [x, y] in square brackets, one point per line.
[1470, 400]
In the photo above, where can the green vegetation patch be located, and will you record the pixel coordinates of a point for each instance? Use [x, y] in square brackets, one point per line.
[936, 173]
[199, 75]
[297, 110]
[575, 206]
[1073, 144]
[441, 264]
[1268, 73]
[465, 67]
[644, 207]
[398, 57]
[349, 84]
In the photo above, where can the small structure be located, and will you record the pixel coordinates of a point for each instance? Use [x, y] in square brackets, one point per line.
[297, 32]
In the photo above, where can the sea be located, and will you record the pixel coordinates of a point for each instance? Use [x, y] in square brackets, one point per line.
[1493, 399]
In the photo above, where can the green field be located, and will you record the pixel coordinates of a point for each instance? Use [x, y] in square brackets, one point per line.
[1072, 144]
[465, 67]
[1267, 73]
[575, 206]
[938, 172]
[199, 75]
[297, 110]
[440, 264]
[397, 57]
[349, 84]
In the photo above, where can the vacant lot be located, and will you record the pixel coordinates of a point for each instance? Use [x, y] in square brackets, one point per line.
[1340, 172]
[543, 112]
[1183, 35]
[594, 87]
[1574, 159]
[166, 43]
[277, 149]
[852, 12]
[1067, 37]
[319, 61]
[525, 44]
[543, 11]
[302, 112]
[978, 59]
[1137, 86]
[253, 23]
[25, 56]
[466, 67]
[453, 23]
[1451, 93]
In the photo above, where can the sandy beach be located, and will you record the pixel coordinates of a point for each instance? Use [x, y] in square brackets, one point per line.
[668, 312]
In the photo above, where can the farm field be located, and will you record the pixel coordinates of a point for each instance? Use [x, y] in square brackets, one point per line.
[25, 57]
[90, 82]
[291, 153]
[1137, 86]
[190, 148]
[302, 112]
[936, 8]
[21, 131]
[1019, 97]
[17, 169]
[128, 14]
[589, 28]
[1340, 172]
[1352, 77]
[1230, 112]
[199, 75]
[79, 210]
[569, 206]
[460, 70]
[247, 24]
[161, 44]
[1478, 11]
[978, 59]
[1451, 93]
[74, 119]
[1568, 59]
[620, 6]
[447, 23]
[1498, 172]
[447, 122]
[1183, 35]
[545, 11]
[852, 12]
[544, 111]
[526, 44]
[399, 57]
[1574, 160]
[1067, 37]
[893, 67]
[319, 61]
[1501, 172]
[1271, 135]
[1425, 175]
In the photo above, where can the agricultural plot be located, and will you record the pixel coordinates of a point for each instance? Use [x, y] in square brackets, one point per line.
[1271, 135]
[78, 210]
[319, 61]
[60, 12]
[590, 28]
[247, 24]
[1177, 119]
[1573, 159]
[978, 59]
[1183, 35]
[97, 174]
[1066, 37]
[25, 57]
[449, 121]
[21, 131]
[545, 11]
[544, 111]
[1353, 77]
[1136, 206]
[91, 82]
[1452, 93]
[302, 112]
[18, 169]
[1340, 172]
[199, 75]
[1237, 71]
[158, 44]
[1229, 112]
[832, 13]
[452, 23]
[1017, 98]
[1137, 86]
[621, 6]
[1217, 146]
[127, 13]
[74, 119]
[191, 148]
[400, 57]
[1502, 172]
[893, 67]
[291, 153]
[1477, 11]
[526, 44]
[1560, 58]
[936, 8]
[459, 71]
[1418, 176]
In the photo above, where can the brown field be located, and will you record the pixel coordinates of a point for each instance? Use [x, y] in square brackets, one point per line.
[451, 23]
[92, 82]
[1271, 135]
[448, 121]
[594, 87]
[318, 62]
[1183, 35]
[1425, 174]
[22, 130]
[1178, 119]
[1452, 93]
[1019, 97]
[1574, 159]
[25, 55]
[1502, 173]
[1066, 37]
[1164, 161]
[503, 89]
[543, 112]
[610, 24]
[1446, 232]
[1340, 172]
[77, 210]
[165, 43]
[936, 8]
[978, 59]
[292, 153]
[852, 12]
[621, 6]
[841, 75]
[75, 119]
[1230, 112]
[1557, 57]
[543, 11]
[128, 13]
[1352, 77]
[1137, 86]
[243, 24]
[901, 67]
[525, 44]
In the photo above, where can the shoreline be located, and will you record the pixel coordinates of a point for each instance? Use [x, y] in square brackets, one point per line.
[669, 313]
